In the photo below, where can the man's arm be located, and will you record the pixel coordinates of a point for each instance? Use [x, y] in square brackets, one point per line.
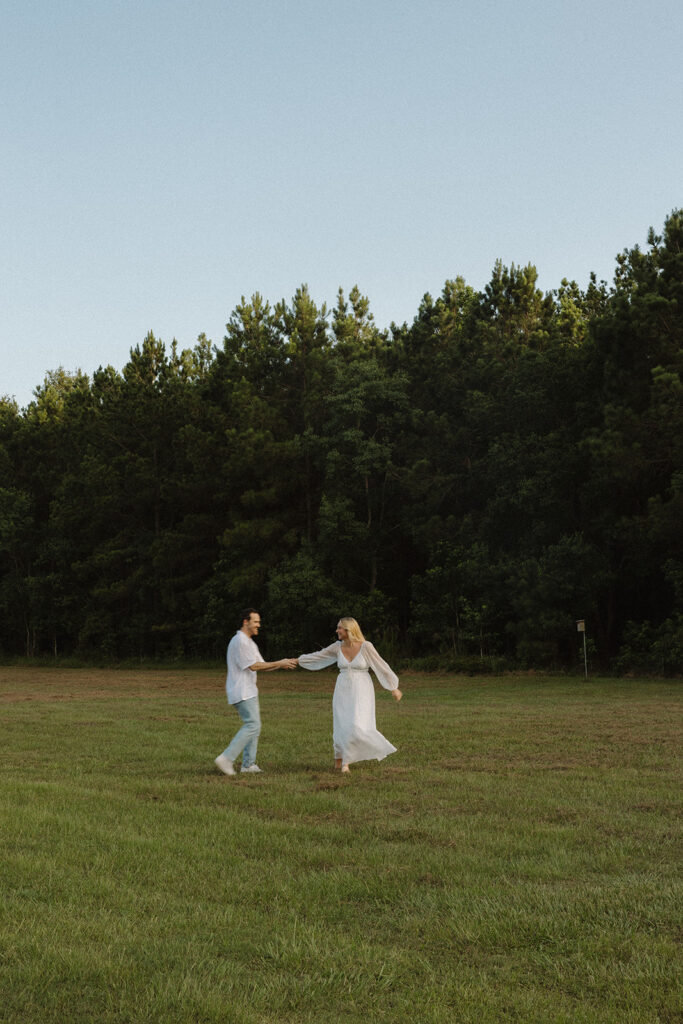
[270, 666]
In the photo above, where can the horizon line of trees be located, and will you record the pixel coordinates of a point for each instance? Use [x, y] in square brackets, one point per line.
[468, 485]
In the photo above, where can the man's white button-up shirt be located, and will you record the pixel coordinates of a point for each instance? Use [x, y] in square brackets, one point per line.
[241, 681]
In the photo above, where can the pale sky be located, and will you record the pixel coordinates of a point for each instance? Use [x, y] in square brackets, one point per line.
[160, 158]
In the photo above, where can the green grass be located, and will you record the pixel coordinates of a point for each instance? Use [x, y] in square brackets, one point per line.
[516, 860]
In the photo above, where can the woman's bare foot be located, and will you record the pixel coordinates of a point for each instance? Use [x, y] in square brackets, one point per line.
[345, 769]
[337, 763]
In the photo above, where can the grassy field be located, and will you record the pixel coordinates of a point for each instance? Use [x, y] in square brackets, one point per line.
[516, 860]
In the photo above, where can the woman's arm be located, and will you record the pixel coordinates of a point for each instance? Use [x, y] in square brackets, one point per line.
[320, 659]
[387, 677]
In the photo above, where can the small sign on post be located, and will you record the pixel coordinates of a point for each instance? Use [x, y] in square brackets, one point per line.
[581, 628]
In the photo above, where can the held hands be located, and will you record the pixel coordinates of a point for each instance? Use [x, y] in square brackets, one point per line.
[288, 663]
[396, 694]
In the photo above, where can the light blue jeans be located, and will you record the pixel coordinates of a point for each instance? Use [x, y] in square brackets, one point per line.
[247, 738]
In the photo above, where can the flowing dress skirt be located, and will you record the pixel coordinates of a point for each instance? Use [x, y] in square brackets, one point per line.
[355, 734]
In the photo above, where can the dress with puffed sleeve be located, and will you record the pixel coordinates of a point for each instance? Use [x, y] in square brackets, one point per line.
[354, 733]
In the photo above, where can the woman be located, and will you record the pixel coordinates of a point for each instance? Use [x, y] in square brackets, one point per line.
[355, 734]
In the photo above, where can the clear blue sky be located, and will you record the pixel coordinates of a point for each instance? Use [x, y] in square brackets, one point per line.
[160, 159]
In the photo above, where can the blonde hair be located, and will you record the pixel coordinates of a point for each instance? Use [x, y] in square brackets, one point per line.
[353, 629]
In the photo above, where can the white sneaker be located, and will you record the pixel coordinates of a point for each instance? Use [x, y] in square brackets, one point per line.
[253, 769]
[225, 766]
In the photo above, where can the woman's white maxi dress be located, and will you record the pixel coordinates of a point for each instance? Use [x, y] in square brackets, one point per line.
[354, 733]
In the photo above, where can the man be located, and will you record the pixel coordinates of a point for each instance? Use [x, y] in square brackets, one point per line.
[244, 661]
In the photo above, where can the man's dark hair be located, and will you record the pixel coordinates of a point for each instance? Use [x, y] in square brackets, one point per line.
[246, 615]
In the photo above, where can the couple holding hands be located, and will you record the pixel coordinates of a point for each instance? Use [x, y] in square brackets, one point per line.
[355, 734]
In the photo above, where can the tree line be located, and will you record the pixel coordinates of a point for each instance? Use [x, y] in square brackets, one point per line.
[467, 485]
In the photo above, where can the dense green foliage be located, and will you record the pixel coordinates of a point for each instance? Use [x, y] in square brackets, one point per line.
[467, 485]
